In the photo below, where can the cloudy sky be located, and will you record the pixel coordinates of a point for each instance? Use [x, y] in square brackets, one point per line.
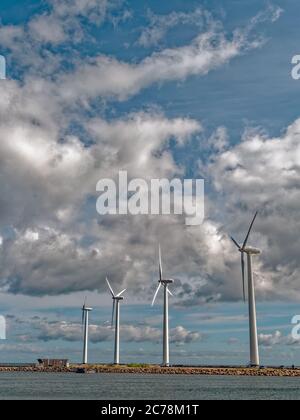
[198, 89]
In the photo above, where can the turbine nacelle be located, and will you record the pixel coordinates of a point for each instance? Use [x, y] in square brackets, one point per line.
[87, 309]
[249, 251]
[245, 249]
[166, 282]
[118, 297]
[113, 295]
[116, 300]
[162, 282]
[252, 251]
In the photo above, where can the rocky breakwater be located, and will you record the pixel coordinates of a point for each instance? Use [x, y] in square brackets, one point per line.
[158, 370]
[36, 369]
[218, 371]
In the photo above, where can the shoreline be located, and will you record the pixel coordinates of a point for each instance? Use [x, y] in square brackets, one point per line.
[158, 370]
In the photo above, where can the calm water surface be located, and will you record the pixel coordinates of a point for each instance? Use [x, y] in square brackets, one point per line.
[111, 386]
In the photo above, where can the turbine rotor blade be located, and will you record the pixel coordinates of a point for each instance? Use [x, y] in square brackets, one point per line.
[110, 288]
[113, 313]
[83, 316]
[121, 293]
[235, 242]
[156, 293]
[170, 293]
[243, 275]
[83, 311]
[249, 231]
[160, 264]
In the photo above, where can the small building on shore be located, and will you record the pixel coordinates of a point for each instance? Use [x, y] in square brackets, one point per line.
[53, 363]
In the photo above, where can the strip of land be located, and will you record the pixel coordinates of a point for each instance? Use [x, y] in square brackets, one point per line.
[158, 370]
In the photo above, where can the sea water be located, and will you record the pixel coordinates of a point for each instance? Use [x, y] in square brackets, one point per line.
[144, 387]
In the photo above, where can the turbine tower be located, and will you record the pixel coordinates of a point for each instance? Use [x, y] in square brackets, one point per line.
[165, 284]
[85, 324]
[116, 314]
[250, 252]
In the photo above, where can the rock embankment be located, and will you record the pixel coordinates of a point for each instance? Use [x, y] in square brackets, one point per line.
[36, 369]
[158, 370]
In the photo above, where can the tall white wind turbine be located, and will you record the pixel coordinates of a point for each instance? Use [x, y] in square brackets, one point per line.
[250, 252]
[165, 284]
[85, 324]
[116, 315]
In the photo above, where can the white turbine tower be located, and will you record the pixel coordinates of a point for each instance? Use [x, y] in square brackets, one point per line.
[165, 284]
[116, 313]
[250, 252]
[85, 324]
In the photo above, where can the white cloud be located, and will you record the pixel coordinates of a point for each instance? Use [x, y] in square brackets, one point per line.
[31, 236]
[105, 76]
[61, 23]
[264, 173]
[160, 24]
[47, 29]
[33, 45]
[20, 348]
[180, 335]
[277, 338]
[270, 340]
[51, 174]
[95, 9]
[59, 175]
[130, 333]
[271, 13]
[218, 141]
[212, 48]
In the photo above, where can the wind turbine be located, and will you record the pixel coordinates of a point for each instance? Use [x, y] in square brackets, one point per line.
[85, 324]
[165, 284]
[116, 313]
[250, 252]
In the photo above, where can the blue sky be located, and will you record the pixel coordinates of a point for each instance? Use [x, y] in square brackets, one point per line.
[59, 99]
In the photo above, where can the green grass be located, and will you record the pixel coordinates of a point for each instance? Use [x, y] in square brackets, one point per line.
[137, 365]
